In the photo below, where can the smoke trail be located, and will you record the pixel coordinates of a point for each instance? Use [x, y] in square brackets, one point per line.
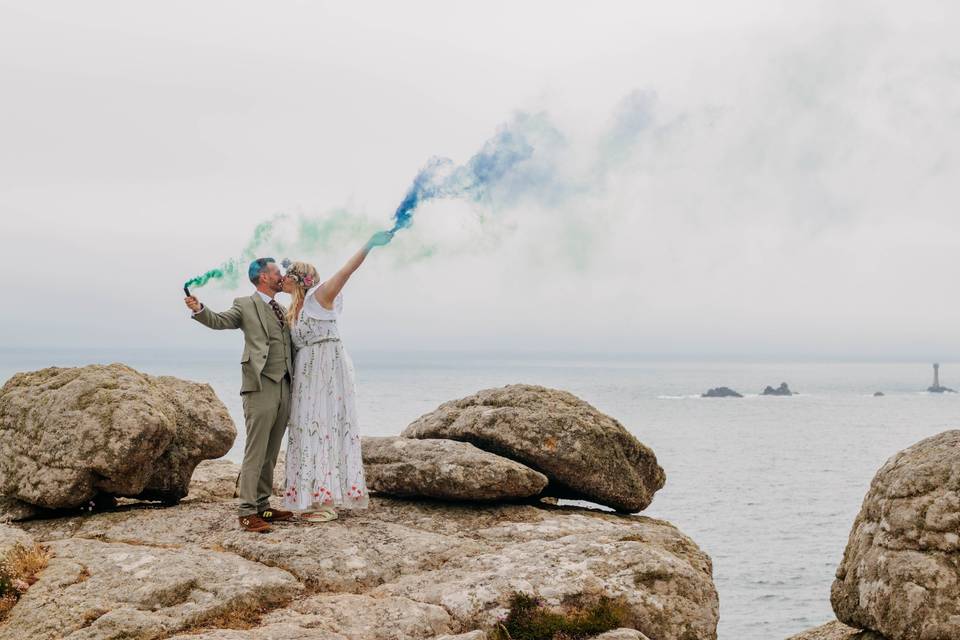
[286, 235]
[440, 178]
[497, 165]
[226, 270]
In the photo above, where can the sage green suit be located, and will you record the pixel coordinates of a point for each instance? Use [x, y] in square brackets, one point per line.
[267, 367]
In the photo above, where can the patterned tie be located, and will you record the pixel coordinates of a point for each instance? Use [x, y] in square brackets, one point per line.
[277, 311]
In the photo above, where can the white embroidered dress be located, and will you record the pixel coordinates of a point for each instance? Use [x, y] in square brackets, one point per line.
[323, 464]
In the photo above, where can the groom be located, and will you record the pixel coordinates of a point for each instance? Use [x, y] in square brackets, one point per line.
[267, 366]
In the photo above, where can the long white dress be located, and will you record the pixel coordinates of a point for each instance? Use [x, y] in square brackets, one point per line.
[323, 464]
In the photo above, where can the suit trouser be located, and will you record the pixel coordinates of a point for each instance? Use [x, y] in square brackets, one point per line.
[266, 413]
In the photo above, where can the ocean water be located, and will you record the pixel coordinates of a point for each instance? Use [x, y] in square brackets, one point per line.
[768, 486]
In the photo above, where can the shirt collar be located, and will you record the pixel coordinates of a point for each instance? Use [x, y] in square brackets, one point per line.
[264, 296]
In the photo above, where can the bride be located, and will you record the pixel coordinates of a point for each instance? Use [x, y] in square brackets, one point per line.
[324, 467]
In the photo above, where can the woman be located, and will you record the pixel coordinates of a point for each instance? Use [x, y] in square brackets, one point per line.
[324, 468]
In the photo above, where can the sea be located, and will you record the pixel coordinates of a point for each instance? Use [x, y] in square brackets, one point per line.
[767, 486]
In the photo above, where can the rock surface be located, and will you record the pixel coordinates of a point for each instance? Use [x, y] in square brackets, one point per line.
[13, 510]
[584, 453]
[411, 570]
[364, 617]
[94, 589]
[445, 469]
[68, 435]
[900, 575]
[11, 538]
[721, 392]
[621, 634]
[836, 631]
[782, 390]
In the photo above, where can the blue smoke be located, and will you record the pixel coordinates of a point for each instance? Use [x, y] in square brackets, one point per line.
[441, 178]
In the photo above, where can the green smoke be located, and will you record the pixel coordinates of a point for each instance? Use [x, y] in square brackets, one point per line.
[297, 237]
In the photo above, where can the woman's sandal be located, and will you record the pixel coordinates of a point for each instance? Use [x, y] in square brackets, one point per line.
[325, 514]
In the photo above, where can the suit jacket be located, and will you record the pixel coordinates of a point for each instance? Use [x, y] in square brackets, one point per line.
[250, 314]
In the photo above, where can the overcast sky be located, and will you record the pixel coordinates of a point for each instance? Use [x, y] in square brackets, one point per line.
[737, 179]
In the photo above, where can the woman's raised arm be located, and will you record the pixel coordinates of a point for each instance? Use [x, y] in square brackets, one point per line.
[329, 290]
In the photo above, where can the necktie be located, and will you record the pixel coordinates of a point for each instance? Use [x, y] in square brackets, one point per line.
[277, 311]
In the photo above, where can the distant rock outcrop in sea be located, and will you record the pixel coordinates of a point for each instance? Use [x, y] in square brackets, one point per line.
[782, 390]
[721, 392]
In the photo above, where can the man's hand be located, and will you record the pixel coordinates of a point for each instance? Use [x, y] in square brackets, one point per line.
[193, 304]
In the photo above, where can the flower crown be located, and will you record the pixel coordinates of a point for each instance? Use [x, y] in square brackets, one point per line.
[304, 280]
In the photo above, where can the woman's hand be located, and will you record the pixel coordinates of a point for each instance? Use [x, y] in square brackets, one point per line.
[329, 290]
[379, 239]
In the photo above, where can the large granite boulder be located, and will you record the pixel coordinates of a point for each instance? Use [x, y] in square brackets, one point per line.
[69, 435]
[445, 469]
[900, 573]
[402, 569]
[584, 453]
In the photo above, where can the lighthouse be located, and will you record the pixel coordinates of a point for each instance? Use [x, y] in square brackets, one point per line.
[935, 387]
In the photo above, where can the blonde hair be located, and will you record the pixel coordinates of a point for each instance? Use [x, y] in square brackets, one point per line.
[300, 273]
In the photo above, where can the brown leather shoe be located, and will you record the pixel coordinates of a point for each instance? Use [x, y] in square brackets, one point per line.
[254, 523]
[275, 515]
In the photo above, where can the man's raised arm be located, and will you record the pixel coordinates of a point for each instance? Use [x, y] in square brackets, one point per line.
[229, 319]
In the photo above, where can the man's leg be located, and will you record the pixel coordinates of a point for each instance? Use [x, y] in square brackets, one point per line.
[260, 412]
[279, 427]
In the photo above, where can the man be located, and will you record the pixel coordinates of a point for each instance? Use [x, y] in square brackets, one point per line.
[267, 366]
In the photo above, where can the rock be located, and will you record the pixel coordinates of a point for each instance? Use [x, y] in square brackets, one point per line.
[621, 634]
[268, 632]
[878, 394]
[401, 569]
[11, 538]
[782, 390]
[584, 453]
[940, 389]
[68, 435]
[365, 618]
[899, 575]
[12, 510]
[415, 565]
[445, 469]
[836, 631]
[280, 474]
[213, 480]
[661, 576]
[721, 392]
[94, 589]
[351, 554]
[189, 524]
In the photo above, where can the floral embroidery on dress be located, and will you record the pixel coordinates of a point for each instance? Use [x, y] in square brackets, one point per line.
[324, 465]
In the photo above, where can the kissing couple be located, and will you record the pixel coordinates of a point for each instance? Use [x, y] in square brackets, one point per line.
[298, 379]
